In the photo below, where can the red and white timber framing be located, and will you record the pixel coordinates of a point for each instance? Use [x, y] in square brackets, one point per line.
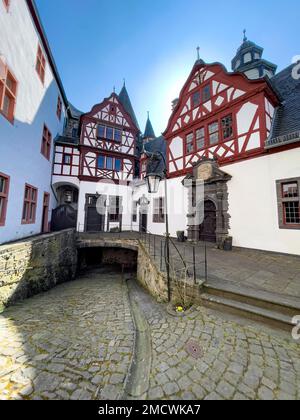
[110, 113]
[250, 103]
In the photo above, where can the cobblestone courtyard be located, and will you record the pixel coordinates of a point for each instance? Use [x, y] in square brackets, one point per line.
[77, 342]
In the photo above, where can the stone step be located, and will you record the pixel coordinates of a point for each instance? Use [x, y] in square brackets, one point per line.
[284, 304]
[256, 313]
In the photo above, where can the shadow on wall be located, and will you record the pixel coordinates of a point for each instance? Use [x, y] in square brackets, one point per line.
[22, 161]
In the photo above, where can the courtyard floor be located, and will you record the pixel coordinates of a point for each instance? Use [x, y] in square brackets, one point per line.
[259, 270]
[77, 342]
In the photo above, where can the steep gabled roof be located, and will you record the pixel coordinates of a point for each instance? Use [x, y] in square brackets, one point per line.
[286, 124]
[125, 100]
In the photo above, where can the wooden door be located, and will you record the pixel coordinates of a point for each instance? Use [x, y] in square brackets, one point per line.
[45, 215]
[94, 222]
[143, 222]
[209, 225]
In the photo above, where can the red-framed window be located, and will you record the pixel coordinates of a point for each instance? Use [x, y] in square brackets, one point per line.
[189, 143]
[109, 163]
[46, 143]
[6, 4]
[8, 92]
[109, 133]
[29, 205]
[213, 133]
[206, 93]
[200, 138]
[59, 108]
[4, 189]
[227, 127]
[196, 99]
[40, 64]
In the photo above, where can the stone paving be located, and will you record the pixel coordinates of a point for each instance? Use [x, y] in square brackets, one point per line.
[276, 273]
[273, 272]
[73, 342]
[76, 342]
[238, 359]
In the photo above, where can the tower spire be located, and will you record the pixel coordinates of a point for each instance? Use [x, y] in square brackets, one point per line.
[149, 132]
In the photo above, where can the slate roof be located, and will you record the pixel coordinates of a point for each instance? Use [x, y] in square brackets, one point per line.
[149, 132]
[156, 145]
[75, 113]
[68, 140]
[125, 100]
[286, 124]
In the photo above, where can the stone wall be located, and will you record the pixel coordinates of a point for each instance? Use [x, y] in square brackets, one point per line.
[36, 264]
[149, 276]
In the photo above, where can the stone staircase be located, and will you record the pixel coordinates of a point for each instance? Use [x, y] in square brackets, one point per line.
[259, 305]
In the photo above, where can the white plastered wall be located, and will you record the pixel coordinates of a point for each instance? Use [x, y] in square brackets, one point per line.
[253, 202]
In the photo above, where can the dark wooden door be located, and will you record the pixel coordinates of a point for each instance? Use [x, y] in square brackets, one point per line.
[143, 222]
[209, 225]
[45, 223]
[94, 222]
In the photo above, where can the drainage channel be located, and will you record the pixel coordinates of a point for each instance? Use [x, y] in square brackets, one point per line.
[137, 383]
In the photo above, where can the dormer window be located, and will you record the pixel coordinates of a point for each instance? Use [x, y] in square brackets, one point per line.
[247, 58]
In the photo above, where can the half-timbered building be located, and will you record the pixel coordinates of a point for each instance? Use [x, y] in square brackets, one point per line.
[238, 133]
[97, 167]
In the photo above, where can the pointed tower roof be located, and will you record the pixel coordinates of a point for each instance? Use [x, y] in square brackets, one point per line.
[149, 132]
[125, 100]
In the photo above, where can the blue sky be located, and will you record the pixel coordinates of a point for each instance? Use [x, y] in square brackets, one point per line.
[152, 44]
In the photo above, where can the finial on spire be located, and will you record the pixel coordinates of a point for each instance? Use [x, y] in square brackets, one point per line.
[114, 89]
[148, 114]
[244, 32]
[124, 82]
[198, 53]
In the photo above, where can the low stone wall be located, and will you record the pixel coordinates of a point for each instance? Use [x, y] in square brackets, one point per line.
[36, 264]
[150, 277]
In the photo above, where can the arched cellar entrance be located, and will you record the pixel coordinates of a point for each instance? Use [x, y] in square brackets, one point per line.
[207, 231]
[115, 258]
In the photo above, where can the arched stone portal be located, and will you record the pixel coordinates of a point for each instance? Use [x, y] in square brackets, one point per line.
[215, 226]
